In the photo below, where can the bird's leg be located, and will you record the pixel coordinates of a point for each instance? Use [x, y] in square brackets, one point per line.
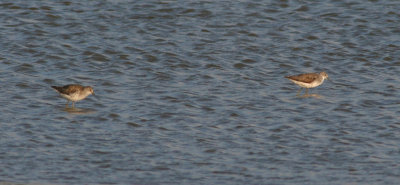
[73, 104]
[307, 91]
[66, 105]
[299, 91]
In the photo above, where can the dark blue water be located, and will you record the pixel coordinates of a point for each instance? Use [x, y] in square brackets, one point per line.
[193, 92]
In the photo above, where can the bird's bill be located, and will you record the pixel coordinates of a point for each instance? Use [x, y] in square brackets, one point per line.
[329, 79]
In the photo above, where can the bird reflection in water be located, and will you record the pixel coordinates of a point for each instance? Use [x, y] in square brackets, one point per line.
[73, 110]
[309, 96]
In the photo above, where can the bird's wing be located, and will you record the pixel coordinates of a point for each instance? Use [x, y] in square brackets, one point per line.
[70, 89]
[306, 78]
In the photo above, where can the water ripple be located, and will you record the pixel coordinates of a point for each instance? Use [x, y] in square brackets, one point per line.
[194, 92]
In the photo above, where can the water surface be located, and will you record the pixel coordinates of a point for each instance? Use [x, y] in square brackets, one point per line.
[192, 92]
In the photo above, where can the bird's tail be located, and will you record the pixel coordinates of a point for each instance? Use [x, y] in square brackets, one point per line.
[56, 88]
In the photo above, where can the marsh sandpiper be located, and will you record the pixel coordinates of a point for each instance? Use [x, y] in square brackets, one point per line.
[308, 80]
[74, 92]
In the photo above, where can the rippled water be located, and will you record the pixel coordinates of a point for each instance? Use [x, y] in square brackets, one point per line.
[192, 92]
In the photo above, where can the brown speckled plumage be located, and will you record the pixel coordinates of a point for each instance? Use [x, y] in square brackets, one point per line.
[74, 92]
[308, 80]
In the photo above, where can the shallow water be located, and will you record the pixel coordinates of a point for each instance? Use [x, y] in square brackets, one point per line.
[192, 92]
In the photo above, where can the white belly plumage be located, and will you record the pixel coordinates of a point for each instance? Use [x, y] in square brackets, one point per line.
[313, 84]
[73, 97]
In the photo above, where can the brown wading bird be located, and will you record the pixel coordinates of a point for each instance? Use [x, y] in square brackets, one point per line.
[308, 80]
[74, 92]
